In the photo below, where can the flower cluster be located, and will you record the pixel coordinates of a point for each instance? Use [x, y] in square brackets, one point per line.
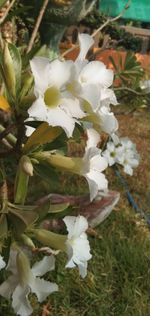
[68, 91]
[70, 98]
[122, 152]
[24, 280]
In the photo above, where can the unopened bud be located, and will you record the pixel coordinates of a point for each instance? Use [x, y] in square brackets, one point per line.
[27, 241]
[23, 266]
[26, 165]
[50, 239]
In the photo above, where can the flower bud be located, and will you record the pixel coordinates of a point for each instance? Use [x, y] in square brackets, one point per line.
[27, 241]
[69, 164]
[26, 165]
[50, 239]
[23, 266]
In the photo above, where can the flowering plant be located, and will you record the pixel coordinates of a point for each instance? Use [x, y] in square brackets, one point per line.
[48, 105]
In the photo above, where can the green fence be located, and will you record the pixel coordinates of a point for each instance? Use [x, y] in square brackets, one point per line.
[139, 10]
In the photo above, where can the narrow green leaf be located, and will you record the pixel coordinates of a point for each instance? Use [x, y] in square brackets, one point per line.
[42, 135]
[58, 208]
[17, 64]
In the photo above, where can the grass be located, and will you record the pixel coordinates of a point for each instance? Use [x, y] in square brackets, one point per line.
[118, 280]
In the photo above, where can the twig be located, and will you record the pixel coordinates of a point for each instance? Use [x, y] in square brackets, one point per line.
[37, 24]
[7, 11]
[131, 90]
[101, 27]
[9, 137]
[112, 19]
[6, 131]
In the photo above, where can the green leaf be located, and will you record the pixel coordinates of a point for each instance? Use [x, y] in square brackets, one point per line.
[9, 71]
[17, 64]
[57, 208]
[22, 219]
[42, 135]
[21, 184]
[47, 173]
[113, 63]
[2, 2]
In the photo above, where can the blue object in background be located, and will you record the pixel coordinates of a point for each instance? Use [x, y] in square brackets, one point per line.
[138, 10]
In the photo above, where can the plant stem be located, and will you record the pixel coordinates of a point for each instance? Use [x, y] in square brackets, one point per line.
[3, 189]
[131, 90]
[9, 137]
[7, 11]
[37, 24]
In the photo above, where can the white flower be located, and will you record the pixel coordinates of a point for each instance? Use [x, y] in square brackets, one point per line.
[93, 138]
[129, 158]
[90, 80]
[66, 89]
[110, 153]
[122, 151]
[2, 263]
[93, 165]
[107, 120]
[25, 280]
[145, 84]
[78, 247]
[52, 104]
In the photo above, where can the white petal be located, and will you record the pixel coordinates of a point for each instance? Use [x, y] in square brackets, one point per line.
[42, 288]
[72, 107]
[43, 266]
[83, 269]
[85, 42]
[75, 225]
[96, 181]
[108, 122]
[12, 262]
[60, 72]
[93, 187]
[70, 222]
[58, 117]
[8, 287]
[29, 130]
[93, 138]
[108, 97]
[98, 163]
[38, 110]
[2, 263]
[81, 225]
[95, 72]
[128, 169]
[91, 93]
[81, 251]
[115, 138]
[20, 302]
[40, 69]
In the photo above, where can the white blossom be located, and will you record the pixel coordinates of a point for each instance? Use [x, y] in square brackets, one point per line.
[63, 88]
[123, 152]
[78, 247]
[93, 166]
[52, 105]
[2, 263]
[24, 280]
[129, 158]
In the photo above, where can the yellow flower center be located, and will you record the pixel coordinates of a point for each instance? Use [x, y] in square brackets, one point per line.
[51, 97]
